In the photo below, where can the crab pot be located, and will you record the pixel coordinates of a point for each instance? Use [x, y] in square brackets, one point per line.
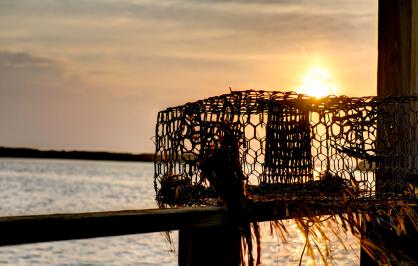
[290, 147]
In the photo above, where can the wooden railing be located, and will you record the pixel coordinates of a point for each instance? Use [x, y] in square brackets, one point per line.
[206, 234]
[53, 227]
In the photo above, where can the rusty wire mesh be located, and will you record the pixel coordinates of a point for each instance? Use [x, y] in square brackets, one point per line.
[291, 147]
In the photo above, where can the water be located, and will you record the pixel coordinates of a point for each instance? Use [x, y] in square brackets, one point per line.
[31, 186]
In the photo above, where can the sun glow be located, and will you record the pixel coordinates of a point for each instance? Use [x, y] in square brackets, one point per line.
[317, 82]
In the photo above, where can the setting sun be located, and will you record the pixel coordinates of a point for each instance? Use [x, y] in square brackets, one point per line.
[317, 82]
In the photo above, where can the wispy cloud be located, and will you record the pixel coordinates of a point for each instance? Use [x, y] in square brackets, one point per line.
[238, 16]
[19, 59]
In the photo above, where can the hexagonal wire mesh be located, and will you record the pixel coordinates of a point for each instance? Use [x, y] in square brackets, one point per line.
[291, 147]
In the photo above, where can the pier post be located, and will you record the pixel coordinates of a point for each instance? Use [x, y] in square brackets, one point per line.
[210, 245]
[397, 47]
[397, 76]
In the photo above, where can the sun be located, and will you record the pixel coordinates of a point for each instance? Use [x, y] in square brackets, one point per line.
[317, 82]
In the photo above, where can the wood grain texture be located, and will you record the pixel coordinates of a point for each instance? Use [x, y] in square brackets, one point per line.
[53, 227]
[397, 48]
[414, 51]
[397, 75]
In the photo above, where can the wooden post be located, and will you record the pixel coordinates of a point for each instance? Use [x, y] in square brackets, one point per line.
[414, 52]
[214, 245]
[397, 76]
[397, 47]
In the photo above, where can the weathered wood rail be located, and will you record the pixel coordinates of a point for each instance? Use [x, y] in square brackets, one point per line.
[207, 235]
[53, 227]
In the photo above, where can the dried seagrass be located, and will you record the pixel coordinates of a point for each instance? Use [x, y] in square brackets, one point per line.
[354, 155]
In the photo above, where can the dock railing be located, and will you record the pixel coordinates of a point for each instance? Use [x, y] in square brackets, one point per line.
[15, 230]
[191, 222]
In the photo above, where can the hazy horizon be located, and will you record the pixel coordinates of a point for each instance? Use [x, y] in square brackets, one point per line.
[92, 75]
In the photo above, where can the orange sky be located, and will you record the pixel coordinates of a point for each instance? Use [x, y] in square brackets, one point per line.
[92, 75]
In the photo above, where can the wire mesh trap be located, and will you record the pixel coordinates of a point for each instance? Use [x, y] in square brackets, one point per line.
[287, 146]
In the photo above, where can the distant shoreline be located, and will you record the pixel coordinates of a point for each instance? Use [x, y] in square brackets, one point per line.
[78, 155]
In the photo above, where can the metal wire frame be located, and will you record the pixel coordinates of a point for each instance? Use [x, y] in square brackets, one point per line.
[291, 147]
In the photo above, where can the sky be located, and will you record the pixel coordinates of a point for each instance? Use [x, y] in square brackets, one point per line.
[92, 74]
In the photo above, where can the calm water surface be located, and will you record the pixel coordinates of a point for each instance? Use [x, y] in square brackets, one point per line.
[32, 186]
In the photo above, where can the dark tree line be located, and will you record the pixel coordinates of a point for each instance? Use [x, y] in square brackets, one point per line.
[81, 155]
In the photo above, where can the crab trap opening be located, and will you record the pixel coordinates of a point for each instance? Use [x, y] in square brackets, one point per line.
[288, 146]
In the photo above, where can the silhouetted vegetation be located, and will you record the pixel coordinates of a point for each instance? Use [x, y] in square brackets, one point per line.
[79, 155]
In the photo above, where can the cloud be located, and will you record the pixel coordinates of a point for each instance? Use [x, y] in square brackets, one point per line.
[20, 72]
[94, 31]
[42, 105]
[10, 59]
[239, 16]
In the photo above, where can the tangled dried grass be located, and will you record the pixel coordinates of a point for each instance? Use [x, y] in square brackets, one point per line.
[359, 220]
